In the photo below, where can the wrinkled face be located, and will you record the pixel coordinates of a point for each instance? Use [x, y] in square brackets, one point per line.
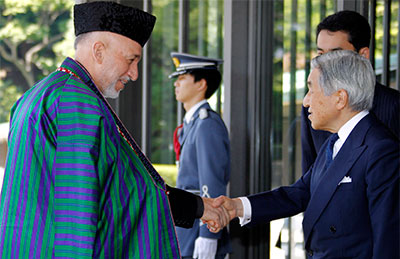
[185, 88]
[322, 108]
[120, 65]
[329, 41]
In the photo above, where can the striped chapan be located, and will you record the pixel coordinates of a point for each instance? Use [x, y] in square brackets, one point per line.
[73, 186]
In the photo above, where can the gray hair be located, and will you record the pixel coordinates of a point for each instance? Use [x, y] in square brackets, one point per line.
[82, 38]
[347, 70]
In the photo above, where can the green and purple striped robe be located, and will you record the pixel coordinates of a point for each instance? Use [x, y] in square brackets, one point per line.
[73, 186]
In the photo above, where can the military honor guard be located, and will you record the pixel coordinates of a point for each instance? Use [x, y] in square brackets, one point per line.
[202, 148]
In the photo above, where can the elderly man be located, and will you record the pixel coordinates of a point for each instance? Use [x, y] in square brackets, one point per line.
[76, 183]
[350, 196]
[347, 30]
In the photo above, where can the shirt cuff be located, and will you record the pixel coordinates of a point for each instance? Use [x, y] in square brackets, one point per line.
[246, 211]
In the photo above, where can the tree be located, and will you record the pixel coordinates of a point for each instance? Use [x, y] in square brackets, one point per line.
[29, 32]
[8, 95]
[34, 37]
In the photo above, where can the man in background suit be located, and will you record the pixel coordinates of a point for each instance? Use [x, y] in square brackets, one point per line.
[202, 147]
[350, 31]
[350, 196]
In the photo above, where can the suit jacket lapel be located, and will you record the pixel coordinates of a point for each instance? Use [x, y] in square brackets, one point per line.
[341, 165]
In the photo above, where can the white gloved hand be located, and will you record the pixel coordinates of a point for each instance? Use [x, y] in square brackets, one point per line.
[205, 248]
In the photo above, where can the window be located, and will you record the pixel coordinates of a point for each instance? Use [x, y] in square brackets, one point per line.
[204, 31]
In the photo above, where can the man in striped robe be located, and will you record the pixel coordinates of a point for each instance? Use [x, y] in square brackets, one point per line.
[76, 185]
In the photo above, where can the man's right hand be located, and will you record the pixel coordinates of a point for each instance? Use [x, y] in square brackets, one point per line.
[216, 217]
[231, 208]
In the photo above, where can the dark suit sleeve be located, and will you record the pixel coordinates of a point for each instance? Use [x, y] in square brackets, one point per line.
[308, 154]
[383, 198]
[185, 207]
[285, 201]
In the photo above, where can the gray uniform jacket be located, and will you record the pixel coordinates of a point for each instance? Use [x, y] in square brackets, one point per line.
[204, 166]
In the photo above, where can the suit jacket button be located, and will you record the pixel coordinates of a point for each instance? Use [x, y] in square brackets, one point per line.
[332, 229]
[310, 252]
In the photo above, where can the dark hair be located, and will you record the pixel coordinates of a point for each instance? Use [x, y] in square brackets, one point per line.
[350, 22]
[212, 77]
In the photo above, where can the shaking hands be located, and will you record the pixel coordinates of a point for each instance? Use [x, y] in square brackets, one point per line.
[220, 211]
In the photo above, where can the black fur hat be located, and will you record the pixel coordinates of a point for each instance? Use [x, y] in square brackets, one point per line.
[110, 16]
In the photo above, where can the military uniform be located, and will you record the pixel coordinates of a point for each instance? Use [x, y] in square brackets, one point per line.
[204, 168]
[202, 148]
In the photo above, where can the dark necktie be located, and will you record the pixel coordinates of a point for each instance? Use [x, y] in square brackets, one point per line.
[329, 150]
[317, 174]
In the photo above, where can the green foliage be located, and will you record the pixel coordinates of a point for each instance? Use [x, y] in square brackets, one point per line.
[29, 30]
[8, 96]
[34, 38]
[164, 39]
[394, 27]
[167, 172]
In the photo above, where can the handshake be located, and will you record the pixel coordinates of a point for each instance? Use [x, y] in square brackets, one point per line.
[218, 212]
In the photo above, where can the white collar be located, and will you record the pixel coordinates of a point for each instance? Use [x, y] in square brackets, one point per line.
[191, 111]
[348, 127]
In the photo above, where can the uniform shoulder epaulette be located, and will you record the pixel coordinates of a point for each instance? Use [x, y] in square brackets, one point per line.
[203, 113]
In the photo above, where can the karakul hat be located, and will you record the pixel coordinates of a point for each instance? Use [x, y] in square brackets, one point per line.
[109, 16]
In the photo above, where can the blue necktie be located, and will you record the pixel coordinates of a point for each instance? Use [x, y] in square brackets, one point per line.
[317, 174]
[329, 150]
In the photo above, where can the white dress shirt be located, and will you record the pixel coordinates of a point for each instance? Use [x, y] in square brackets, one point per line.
[191, 111]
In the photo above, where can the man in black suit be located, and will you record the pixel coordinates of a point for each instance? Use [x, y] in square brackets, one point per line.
[347, 30]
